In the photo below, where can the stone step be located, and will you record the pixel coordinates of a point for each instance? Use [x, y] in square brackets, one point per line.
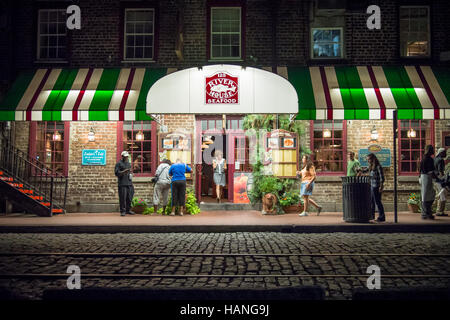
[227, 206]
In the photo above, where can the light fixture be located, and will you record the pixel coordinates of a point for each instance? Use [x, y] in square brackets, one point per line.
[327, 133]
[91, 135]
[57, 136]
[374, 134]
[411, 133]
[139, 136]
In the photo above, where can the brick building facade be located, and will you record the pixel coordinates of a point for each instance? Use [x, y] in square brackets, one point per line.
[273, 33]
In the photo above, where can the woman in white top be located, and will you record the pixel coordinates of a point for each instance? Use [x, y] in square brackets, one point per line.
[219, 166]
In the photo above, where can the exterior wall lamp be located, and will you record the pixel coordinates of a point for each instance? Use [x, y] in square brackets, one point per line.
[327, 133]
[91, 135]
[411, 133]
[57, 136]
[374, 134]
[139, 136]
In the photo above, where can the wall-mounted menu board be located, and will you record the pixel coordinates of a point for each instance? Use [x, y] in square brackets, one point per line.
[177, 146]
[283, 147]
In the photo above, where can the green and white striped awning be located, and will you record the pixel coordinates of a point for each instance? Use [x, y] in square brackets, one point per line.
[371, 92]
[341, 92]
[80, 94]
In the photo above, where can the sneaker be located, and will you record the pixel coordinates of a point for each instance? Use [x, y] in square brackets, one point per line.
[263, 212]
[303, 214]
[122, 214]
[319, 210]
[172, 213]
[431, 217]
[424, 217]
[181, 213]
[381, 219]
[131, 212]
[442, 214]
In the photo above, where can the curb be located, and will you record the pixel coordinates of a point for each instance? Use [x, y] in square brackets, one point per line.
[353, 228]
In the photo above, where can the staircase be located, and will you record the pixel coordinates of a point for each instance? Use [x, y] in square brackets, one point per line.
[30, 184]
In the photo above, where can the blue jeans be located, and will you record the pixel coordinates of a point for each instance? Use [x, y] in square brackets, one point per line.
[376, 200]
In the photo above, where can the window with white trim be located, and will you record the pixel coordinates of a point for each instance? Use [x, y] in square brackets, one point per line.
[414, 31]
[226, 33]
[52, 34]
[139, 38]
[326, 43]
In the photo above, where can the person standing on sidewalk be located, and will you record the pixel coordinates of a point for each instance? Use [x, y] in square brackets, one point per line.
[219, 166]
[353, 165]
[439, 168]
[426, 182]
[124, 176]
[162, 185]
[178, 172]
[377, 185]
[308, 176]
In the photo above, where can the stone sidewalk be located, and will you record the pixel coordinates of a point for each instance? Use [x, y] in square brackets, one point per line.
[217, 221]
[228, 243]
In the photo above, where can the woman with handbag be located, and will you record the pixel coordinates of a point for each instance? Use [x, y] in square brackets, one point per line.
[219, 167]
[162, 185]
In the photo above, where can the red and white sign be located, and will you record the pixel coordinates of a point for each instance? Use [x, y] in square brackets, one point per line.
[222, 88]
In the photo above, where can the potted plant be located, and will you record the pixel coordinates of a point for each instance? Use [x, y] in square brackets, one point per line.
[414, 203]
[138, 205]
[291, 202]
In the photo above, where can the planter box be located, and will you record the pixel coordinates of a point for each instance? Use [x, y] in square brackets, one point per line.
[138, 209]
[293, 209]
[413, 208]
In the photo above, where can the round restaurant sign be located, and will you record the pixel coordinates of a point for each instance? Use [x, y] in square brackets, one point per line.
[222, 88]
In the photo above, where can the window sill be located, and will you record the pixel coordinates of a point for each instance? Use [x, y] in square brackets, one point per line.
[51, 61]
[226, 60]
[142, 179]
[414, 179]
[325, 178]
[319, 61]
[138, 61]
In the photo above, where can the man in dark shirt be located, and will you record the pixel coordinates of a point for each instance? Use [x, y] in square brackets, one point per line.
[427, 174]
[124, 179]
[439, 167]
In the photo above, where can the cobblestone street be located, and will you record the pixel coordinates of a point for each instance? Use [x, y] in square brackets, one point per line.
[228, 243]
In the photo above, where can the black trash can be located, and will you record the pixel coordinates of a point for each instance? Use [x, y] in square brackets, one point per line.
[356, 199]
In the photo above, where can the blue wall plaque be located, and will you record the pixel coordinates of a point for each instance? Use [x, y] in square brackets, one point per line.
[94, 157]
[383, 155]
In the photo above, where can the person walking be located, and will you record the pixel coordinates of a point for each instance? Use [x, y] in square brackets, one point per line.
[219, 167]
[377, 185]
[308, 176]
[353, 165]
[124, 176]
[178, 172]
[427, 174]
[439, 168]
[162, 185]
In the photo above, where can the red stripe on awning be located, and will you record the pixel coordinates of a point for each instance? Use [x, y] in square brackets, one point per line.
[125, 95]
[377, 93]
[327, 93]
[81, 94]
[429, 92]
[36, 94]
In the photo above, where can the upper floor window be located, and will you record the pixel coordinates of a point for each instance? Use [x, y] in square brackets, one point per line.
[414, 31]
[52, 35]
[328, 144]
[226, 33]
[139, 34]
[326, 43]
[414, 136]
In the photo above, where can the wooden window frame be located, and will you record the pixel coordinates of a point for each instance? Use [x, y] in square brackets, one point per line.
[428, 56]
[153, 142]
[32, 143]
[38, 37]
[341, 43]
[344, 148]
[400, 149]
[213, 4]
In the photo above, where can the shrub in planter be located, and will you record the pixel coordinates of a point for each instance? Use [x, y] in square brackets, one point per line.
[414, 203]
[138, 205]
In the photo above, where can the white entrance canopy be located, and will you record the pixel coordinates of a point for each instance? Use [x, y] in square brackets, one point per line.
[222, 89]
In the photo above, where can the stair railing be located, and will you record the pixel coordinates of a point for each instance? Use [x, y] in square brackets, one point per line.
[34, 175]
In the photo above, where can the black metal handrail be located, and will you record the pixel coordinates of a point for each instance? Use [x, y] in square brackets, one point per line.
[33, 174]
